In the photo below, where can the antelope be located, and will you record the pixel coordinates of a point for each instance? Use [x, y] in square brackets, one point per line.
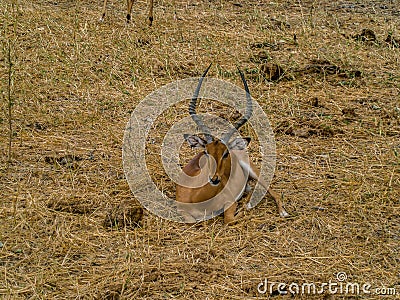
[129, 10]
[222, 166]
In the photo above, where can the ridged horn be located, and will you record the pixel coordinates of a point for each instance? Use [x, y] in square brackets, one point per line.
[247, 115]
[192, 109]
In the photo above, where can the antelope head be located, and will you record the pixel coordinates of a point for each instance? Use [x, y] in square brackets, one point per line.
[217, 151]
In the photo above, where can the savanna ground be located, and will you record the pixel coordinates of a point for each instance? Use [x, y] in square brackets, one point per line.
[334, 105]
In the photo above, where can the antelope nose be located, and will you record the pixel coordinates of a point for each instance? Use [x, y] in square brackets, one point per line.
[215, 180]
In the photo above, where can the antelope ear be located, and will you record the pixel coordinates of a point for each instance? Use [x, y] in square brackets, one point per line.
[195, 141]
[239, 143]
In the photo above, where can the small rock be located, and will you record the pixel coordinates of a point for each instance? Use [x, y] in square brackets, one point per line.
[367, 35]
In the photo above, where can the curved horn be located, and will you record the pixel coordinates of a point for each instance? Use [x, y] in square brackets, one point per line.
[192, 109]
[247, 115]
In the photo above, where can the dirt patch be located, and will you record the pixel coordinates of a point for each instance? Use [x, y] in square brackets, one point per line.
[125, 215]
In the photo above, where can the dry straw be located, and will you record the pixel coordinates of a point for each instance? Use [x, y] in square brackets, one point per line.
[77, 81]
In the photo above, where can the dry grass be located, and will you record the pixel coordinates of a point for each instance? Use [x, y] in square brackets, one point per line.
[77, 81]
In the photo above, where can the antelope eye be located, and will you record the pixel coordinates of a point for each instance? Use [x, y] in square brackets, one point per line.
[225, 154]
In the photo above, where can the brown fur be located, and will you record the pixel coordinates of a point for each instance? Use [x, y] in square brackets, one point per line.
[226, 199]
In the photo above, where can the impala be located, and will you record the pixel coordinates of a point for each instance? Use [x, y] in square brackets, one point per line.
[129, 4]
[222, 166]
